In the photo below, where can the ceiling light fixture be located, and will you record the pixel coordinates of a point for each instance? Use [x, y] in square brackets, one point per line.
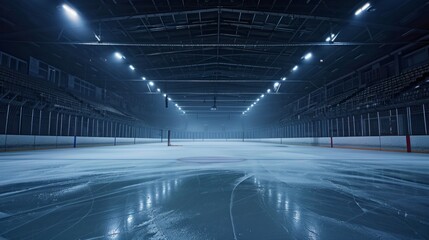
[308, 56]
[119, 56]
[295, 68]
[362, 9]
[70, 12]
[276, 85]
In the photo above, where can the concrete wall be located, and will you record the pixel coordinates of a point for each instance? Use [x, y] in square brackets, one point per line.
[23, 142]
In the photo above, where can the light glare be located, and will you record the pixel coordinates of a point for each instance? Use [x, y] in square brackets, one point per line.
[132, 67]
[308, 56]
[295, 68]
[119, 56]
[70, 12]
[151, 83]
[362, 9]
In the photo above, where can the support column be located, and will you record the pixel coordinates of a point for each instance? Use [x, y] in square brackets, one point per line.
[7, 119]
[49, 123]
[32, 121]
[424, 120]
[20, 121]
[40, 121]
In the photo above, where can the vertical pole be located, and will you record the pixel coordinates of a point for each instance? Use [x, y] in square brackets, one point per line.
[32, 121]
[408, 141]
[81, 126]
[87, 127]
[97, 129]
[61, 124]
[93, 127]
[56, 124]
[354, 126]
[397, 121]
[361, 125]
[348, 125]
[169, 138]
[338, 128]
[410, 127]
[20, 121]
[40, 121]
[369, 125]
[7, 119]
[49, 123]
[75, 126]
[69, 125]
[110, 131]
[424, 120]
[378, 121]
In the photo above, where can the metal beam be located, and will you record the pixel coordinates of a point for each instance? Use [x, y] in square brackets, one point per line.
[211, 64]
[255, 12]
[234, 45]
[210, 93]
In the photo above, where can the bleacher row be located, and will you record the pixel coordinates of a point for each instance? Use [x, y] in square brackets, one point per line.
[385, 91]
[39, 90]
[410, 85]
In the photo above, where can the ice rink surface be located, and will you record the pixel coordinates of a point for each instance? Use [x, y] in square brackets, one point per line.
[213, 190]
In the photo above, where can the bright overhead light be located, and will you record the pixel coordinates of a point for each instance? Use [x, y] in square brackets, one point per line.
[143, 78]
[362, 9]
[158, 90]
[262, 95]
[276, 85]
[308, 56]
[119, 56]
[169, 99]
[151, 83]
[132, 67]
[248, 109]
[242, 113]
[176, 105]
[70, 12]
[258, 100]
[252, 105]
[268, 90]
[295, 68]
[183, 112]
[180, 108]
[284, 78]
[331, 38]
[165, 95]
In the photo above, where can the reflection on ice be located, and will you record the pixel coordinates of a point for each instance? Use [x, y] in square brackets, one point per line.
[294, 196]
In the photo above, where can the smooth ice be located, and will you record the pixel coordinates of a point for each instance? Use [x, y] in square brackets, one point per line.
[213, 190]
